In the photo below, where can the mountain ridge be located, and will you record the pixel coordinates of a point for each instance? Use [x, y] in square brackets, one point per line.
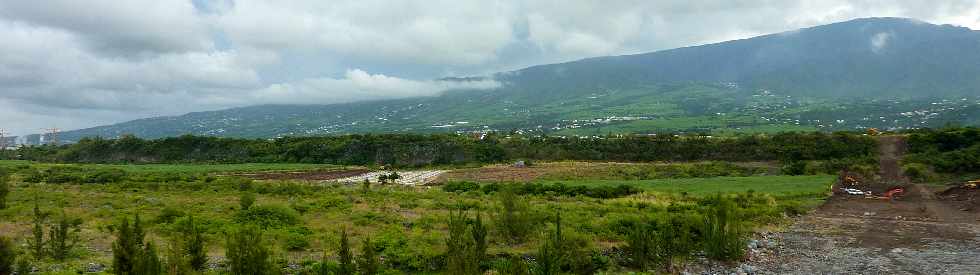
[796, 78]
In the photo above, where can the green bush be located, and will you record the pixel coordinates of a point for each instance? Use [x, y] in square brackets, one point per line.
[514, 218]
[296, 241]
[460, 186]
[169, 215]
[268, 216]
[247, 252]
[723, 233]
[918, 172]
[8, 253]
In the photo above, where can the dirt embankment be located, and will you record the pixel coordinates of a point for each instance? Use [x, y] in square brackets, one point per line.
[916, 233]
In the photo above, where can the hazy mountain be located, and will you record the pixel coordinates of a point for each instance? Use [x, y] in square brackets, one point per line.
[875, 72]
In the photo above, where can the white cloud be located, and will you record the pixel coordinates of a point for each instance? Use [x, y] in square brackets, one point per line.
[119, 27]
[360, 85]
[879, 41]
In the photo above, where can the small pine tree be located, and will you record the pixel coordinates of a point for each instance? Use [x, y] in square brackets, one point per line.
[345, 256]
[514, 219]
[479, 232]
[7, 255]
[367, 262]
[246, 200]
[37, 243]
[195, 246]
[246, 252]
[550, 253]
[177, 261]
[4, 188]
[138, 233]
[148, 263]
[124, 249]
[459, 254]
[23, 265]
[366, 186]
[63, 236]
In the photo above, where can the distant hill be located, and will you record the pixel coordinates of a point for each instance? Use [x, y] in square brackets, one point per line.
[874, 72]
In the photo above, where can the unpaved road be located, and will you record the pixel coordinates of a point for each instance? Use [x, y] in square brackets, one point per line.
[914, 234]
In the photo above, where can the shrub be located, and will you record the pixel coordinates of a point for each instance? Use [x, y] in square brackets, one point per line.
[247, 253]
[513, 218]
[105, 176]
[4, 188]
[246, 200]
[794, 168]
[268, 216]
[511, 265]
[460, 186]
[193, 242]
[36, 243]
[295, 241]
[345, 256]
[148, 263]
[125, 249]
[723, 237]
[63, 236]
[169, 215]
[462, 254]
[7, 255]
[367, 261]
[918, 172]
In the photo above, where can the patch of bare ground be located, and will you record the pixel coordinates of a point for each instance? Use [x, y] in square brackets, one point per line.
[919, 232]
[314, 175]
[562, 170]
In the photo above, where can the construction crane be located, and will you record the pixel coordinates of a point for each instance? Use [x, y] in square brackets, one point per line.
[53, 134]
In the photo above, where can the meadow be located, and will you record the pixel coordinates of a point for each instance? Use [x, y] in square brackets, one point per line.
[409, 228]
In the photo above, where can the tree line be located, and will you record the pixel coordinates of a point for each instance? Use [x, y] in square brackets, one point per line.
[412, 150]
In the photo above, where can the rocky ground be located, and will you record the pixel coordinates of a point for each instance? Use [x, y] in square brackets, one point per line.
[917, 233]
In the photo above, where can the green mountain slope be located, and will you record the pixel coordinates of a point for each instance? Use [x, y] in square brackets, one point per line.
[876, 72]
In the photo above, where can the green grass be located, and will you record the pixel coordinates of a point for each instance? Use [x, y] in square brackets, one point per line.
[187, 168]
[773, 185]
[408, 222]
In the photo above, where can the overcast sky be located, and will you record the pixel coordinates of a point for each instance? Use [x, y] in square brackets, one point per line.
[75, 64]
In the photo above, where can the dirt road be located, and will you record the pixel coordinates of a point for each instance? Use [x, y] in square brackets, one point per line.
[914, 234]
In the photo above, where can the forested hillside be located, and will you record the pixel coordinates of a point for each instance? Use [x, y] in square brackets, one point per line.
[888, 73]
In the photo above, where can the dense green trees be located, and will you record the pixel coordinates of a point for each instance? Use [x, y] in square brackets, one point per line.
[952, 150]
[442, 149]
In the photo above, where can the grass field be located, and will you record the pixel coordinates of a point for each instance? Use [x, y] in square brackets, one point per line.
[407, 224]
[185, 168]
[773, 185]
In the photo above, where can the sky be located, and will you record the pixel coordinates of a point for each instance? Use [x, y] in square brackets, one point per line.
[75, 64]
